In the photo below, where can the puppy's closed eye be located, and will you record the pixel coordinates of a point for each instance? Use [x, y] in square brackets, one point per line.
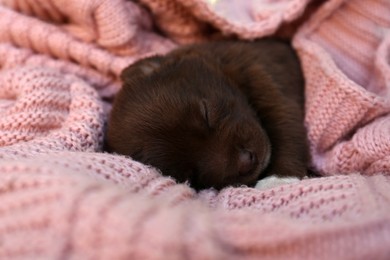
[214, 112]
[205, 111]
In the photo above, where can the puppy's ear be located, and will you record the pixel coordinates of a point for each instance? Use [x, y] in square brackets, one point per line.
[142, 67]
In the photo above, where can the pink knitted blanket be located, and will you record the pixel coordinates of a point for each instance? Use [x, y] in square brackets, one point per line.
[61, 198]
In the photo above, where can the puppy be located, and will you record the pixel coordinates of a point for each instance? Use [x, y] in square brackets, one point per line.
[214, 114]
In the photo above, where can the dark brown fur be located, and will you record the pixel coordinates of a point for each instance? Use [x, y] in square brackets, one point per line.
[214, 114]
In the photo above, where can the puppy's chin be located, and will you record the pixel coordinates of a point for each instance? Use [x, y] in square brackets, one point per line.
[220, 180]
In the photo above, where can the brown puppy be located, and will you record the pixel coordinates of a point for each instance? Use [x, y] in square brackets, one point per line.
[214, 114]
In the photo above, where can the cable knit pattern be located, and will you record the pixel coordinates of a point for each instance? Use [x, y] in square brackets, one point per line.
[61, 197]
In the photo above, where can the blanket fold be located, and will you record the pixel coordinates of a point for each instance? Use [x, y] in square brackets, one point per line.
[70, 215]
[343, 50]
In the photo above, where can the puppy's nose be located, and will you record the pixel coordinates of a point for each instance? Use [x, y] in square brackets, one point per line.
[246, 162]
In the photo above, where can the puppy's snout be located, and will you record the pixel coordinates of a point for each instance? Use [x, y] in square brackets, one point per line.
[246, 162]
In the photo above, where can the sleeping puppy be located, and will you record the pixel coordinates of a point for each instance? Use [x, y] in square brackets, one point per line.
[214, 114]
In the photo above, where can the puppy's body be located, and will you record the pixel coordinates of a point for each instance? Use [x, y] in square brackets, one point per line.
[214, 114]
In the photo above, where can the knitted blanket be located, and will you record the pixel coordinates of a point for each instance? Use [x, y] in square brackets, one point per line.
[62, 198]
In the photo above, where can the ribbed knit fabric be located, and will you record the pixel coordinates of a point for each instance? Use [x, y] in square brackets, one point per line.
[345, 52]
[61, 198]
[82, 37]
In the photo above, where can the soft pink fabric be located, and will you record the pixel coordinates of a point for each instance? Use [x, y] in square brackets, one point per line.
[61, 198]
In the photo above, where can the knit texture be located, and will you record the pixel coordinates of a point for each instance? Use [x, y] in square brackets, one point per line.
[62, 198]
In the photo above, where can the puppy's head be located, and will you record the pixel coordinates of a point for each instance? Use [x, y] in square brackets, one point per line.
[183, 116]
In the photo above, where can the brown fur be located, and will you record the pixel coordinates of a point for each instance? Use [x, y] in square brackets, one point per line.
[214, 114]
